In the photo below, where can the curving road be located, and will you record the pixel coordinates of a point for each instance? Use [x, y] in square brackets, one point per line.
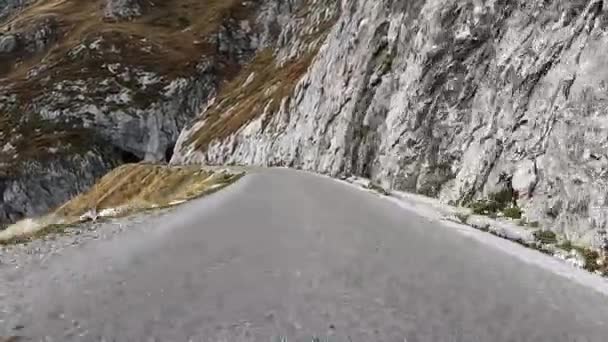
[285, 254]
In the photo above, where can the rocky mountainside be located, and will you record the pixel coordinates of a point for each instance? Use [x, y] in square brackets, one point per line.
[88, 85]
[456, 99]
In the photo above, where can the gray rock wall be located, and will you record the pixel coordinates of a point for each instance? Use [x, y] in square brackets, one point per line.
[10, 7]
[122, 9]
[42, 185]
[454, 99]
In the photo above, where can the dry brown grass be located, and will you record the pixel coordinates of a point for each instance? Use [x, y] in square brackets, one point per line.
[172, 26]
[240, 102]
[128, 188]
[143, 186]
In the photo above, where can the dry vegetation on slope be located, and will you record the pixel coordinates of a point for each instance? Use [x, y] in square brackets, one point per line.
[125, 190]
[266, 83]
[259, 88]
[144, 186]
[174, 30]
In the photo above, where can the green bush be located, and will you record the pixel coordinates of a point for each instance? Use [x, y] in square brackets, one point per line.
[499, 201]
[566, 245]
[503, 198]
[512, 212]
[484, 207]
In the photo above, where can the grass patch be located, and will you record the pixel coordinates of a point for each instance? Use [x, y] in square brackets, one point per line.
[499, 202]
[512, 212]
[259, 88]
[593, 260]
[533, 224]
[142, 186]
[127, 189]
[50, 230]
[53, 229]
[171, 26]
[485, 207]
[546, 236]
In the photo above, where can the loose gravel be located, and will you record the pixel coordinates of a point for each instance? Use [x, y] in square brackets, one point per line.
[16, 261]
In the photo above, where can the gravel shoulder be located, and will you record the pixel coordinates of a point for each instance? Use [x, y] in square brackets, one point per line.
[20, 260]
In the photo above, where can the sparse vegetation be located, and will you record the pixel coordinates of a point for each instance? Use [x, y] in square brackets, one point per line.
[141, 186]
[378, 188]
[260, 88]
[503, 198]
[127, 189]
[499, 202]
[566, 245]
[546, 236]
[512, 212]
[483, 207]
[593, 260]
[49, 230]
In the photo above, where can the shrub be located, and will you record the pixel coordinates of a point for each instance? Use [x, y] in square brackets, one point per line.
[566, 245]
[503, 198]
[484, 207]
[546, 236]
[512, 212]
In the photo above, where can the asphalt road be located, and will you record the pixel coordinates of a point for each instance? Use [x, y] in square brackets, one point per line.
[288, 256]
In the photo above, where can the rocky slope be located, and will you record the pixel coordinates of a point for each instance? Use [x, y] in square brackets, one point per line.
[88, 85]
[455, 99]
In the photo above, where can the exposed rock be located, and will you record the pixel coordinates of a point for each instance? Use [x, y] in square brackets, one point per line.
[8, 43]
[442, 98]
[9, 7]
[524, 178]
[38, 37]
[122, 9]
[40, 185]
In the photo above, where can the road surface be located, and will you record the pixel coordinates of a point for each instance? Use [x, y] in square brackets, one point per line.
[288, 256]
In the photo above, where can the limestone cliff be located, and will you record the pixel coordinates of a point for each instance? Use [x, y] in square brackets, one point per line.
[458, 99]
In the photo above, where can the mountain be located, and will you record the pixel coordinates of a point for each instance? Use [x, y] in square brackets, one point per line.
[88, 85]
[462, 100]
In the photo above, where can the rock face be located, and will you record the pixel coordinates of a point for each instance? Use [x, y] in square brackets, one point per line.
[8, 44]
[39, 186]
[447, 98]
[122, 9]
[9, 7]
